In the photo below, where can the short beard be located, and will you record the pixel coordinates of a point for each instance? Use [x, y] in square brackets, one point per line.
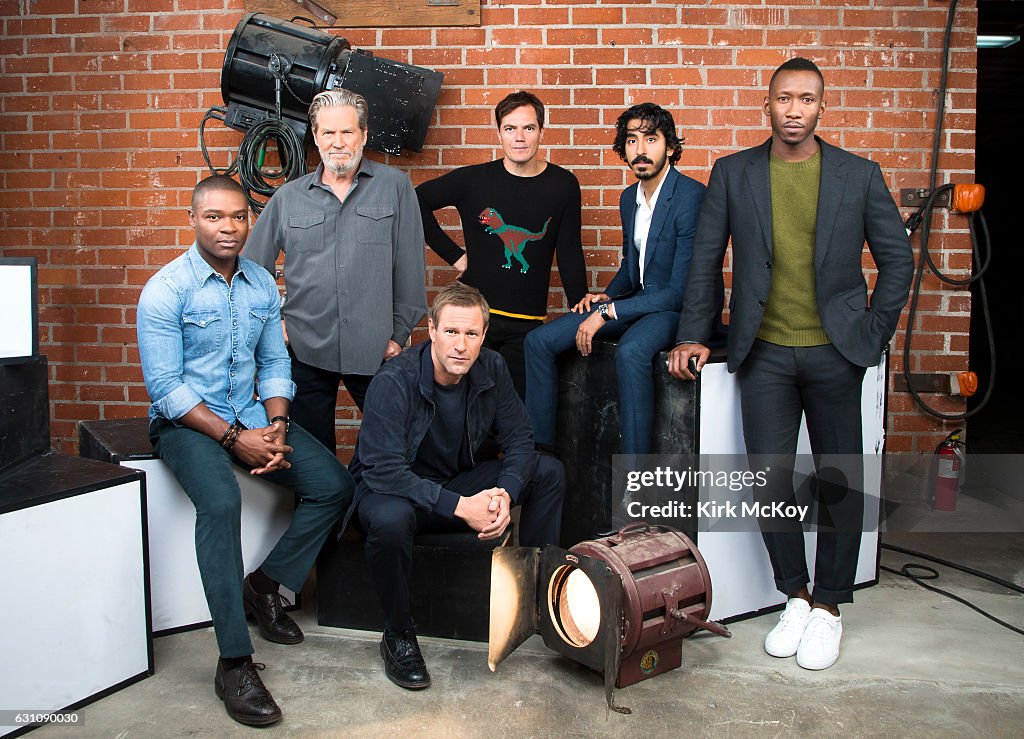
[339, 169]
[651, 173]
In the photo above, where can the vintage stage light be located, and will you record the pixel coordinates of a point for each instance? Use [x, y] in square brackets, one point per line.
[620, 605]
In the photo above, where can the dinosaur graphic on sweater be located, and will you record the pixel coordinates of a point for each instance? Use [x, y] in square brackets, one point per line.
[514, 238]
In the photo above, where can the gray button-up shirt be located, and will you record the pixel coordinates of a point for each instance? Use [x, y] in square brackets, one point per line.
[354, 270]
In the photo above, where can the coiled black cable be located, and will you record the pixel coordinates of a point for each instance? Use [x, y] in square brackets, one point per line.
[250, 172]
[247, 164]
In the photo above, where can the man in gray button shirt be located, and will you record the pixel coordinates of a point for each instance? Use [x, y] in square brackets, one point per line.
[354, 263]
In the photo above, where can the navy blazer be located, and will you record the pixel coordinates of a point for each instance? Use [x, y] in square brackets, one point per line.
[854, 206]
[668, 253]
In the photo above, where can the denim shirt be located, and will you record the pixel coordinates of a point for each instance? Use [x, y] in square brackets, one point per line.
[203, 341]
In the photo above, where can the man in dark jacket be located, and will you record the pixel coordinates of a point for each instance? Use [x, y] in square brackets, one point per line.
[416, 462]
[801, 333]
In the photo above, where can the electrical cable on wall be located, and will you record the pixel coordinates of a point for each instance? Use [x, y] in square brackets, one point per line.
[249, 164]
[971, 205]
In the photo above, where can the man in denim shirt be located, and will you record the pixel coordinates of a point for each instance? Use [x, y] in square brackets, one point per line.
[209, 326]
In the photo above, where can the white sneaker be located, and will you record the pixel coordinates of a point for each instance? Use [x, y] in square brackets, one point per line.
[783, 640]
[819, 647]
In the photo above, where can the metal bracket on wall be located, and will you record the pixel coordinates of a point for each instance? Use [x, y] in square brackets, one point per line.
[924, 383]
[915, 197]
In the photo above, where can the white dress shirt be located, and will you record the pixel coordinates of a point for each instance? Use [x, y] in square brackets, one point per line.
[642, 221]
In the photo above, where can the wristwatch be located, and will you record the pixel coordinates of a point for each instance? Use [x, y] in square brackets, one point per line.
[287, 422]
[603, 310]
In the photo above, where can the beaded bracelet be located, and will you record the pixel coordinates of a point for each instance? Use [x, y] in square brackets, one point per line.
[231, 435]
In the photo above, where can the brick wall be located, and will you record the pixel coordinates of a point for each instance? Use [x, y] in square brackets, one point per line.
[101, 101]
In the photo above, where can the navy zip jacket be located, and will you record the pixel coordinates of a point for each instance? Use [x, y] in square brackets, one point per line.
[398, 411]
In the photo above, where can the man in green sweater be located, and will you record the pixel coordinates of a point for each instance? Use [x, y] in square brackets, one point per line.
[802, 331]
[518, 214]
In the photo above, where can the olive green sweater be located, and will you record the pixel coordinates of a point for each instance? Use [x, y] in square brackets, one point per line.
[791, 315]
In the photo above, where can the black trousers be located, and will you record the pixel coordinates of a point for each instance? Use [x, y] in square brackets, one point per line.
[316, 397]
[390, 522]
[506, 336]
[777, 385]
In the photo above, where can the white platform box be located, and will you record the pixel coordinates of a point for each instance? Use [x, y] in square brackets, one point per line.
[737, 560]
[76, 624]
[177, 598]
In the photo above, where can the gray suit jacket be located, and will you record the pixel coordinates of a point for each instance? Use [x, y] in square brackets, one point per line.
[854, 206]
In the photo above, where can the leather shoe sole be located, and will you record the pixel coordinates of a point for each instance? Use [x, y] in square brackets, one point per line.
[398, 680]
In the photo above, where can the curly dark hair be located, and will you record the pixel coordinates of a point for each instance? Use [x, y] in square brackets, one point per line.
[652, 118]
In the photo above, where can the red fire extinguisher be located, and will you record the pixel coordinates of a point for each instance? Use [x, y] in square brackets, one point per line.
[949, 461]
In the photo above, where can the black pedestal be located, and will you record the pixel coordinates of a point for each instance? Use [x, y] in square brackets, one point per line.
[24, 411]
[451, 582]
[588, 433]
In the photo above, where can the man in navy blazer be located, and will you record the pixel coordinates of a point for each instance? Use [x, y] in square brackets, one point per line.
[640, 307]
[801, 333]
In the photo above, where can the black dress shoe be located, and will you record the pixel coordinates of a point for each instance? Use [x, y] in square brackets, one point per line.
[245, 697]
[268, 612]
[403, 662]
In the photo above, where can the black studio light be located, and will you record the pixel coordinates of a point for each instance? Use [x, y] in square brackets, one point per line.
[273, 69]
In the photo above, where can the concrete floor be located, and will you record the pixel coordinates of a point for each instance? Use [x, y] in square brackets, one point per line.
[913, 664]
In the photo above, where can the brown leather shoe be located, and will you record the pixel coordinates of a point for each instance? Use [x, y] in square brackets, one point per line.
[268, 611]
[246, 698]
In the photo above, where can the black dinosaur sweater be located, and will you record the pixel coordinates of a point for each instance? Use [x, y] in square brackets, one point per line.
[513, 227]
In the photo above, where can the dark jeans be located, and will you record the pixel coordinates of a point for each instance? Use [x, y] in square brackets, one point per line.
[638, 343]
[506, 335]
[204, 470]
[777, 385]
[391, 521]
[316, 397]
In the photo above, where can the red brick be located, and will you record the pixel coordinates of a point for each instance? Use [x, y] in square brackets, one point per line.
[515, 76]
[737, 37]
[621, 76]
[491, 16]
[676, 76]
[596, 16]
[706, 57]
[708, 16]
[598, 56]
[652, 57]
[685, 36]
[26, 65]
[49, 83]
[572, 37]
[490, 57]
[627, 36]
[543, 17]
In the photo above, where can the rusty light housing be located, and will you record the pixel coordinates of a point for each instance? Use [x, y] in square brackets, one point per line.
[620, 605]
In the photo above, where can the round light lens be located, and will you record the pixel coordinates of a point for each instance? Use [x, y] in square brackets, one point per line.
[574, 606]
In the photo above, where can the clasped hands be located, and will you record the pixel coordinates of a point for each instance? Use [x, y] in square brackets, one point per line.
[487, 512]
[263, 449]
